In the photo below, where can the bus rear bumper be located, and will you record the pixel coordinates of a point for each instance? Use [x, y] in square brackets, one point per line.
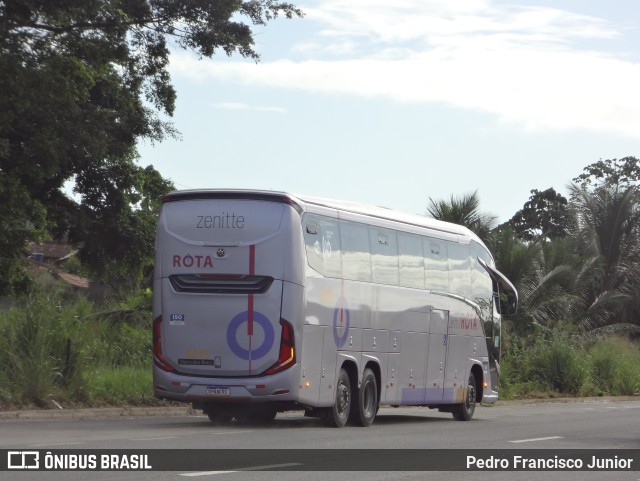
[179, 387]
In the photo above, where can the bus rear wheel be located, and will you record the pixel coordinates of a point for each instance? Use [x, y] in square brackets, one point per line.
[257, 415]
[464, 411]
[337, 415]
[219, 416]
[367, 405]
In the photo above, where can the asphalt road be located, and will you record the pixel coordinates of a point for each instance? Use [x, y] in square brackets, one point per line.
[554, 426]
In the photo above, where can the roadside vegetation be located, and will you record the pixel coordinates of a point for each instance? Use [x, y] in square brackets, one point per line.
[58, 348]
[560, 367]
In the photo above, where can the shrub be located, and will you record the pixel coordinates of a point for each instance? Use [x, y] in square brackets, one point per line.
[560, 366]
[615, 366]
[53, 344]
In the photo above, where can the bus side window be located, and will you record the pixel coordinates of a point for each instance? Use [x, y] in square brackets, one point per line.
[436, 267]
[481, 282]
[322, 243]
[384, 256]
[356, 255]
[459, 270]
[411, 258]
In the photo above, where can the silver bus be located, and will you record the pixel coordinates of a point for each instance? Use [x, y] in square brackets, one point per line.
[266, 302]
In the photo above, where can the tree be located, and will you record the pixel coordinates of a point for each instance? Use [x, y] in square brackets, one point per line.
[611, 173]
[20, 219]
[606, 197]
[464, 211]
[546, 214]
[82, 81]
[609, 223]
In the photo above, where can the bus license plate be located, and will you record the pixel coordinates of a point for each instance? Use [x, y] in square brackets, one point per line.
[218, 391]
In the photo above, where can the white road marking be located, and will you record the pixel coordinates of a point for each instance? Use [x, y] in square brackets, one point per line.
[532, 440]
[251, 468]
[54, 444]
[153, 439]
[230, 432]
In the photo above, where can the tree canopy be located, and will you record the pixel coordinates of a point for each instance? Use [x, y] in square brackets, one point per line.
[82, 81]
[611, 173]
[546, 213]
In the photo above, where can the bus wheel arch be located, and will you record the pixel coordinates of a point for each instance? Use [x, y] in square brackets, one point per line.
[476, 370]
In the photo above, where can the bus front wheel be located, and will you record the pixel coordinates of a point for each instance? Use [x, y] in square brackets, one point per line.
[464, 411]
[337, 415]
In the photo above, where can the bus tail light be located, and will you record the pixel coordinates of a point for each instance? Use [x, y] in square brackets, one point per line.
[158, 359]
[287, 355]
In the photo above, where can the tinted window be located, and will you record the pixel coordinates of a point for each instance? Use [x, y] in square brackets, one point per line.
[481, 283]
[411, 273]
[322, 244]
[459, 270]
[356, 259]
[384, 256]
[436, 267]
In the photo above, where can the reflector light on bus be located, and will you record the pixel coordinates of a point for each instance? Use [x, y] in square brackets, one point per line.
[280, 391]
[158, 359]
[287, 356]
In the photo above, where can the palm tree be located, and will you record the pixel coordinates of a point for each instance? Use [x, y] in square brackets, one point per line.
[608, 238]
[543, 271]
[464, 211]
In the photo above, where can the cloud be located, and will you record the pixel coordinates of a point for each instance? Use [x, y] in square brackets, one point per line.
[243, 106]
[532, 66]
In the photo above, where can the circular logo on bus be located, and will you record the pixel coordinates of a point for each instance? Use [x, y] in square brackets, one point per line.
[251, 353]
[341, 321]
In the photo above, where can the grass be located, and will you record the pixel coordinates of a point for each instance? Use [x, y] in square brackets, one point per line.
[63, 347]
[119, 385]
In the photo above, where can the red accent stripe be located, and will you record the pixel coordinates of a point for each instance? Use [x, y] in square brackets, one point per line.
[250, 316]
[252, 270]
[252, 260]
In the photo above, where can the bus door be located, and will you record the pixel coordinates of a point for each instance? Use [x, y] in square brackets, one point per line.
[437, 354]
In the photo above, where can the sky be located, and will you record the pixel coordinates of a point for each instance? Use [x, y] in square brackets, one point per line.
[394, 102]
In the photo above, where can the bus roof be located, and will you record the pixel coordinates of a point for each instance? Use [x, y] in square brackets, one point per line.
[306, 203]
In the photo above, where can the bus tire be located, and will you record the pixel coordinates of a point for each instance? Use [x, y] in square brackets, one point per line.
[219, 417]
[464, 411]
[337, 415]
[367, 405]
[257, 415]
